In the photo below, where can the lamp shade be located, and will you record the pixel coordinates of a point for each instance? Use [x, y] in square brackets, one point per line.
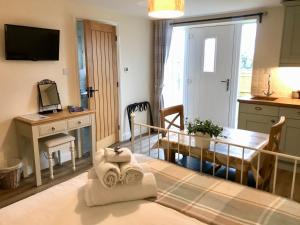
[165, 9]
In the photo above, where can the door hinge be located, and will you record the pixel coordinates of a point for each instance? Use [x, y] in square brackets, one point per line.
[116, 38]
[117, 84]
[118, 127]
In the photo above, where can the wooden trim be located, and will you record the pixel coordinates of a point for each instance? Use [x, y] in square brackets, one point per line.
[102, 27]
[65, 114]
[281, 102]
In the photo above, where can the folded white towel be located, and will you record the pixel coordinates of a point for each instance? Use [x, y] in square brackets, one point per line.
[131, 172]
[99, 155]
[108, 173]
[92, 173]
[122, 157]
[95, 194]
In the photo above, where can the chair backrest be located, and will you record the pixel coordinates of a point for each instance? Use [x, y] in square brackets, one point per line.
[267, 161]
[176, 112]
[275, 135]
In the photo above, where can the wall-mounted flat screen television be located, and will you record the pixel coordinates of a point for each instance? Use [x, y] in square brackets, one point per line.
[31, 43]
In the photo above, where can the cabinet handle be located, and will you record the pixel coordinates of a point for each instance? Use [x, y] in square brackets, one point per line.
[53, 128]
[258, 108]
[79, 122]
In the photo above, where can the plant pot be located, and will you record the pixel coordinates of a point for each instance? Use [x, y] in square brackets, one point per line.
[202, 140]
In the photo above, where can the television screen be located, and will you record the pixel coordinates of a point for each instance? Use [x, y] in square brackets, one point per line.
[31, 43]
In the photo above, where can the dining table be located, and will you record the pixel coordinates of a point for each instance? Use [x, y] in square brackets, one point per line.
[233, 148]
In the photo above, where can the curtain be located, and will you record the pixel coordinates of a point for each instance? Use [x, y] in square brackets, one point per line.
[162, 42]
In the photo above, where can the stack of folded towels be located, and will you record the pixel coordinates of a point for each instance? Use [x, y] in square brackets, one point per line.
[117, 177]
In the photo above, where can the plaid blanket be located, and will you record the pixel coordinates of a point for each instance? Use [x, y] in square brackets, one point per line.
[217, 201]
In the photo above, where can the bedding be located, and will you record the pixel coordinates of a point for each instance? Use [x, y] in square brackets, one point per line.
[184, 198]
[217, 201]
[64, 204]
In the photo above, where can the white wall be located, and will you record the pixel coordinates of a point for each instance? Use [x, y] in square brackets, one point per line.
[267, 49]
[267, 56]
[18, 79]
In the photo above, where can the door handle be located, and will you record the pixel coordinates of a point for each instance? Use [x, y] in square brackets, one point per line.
[227, 81]
[90, 92]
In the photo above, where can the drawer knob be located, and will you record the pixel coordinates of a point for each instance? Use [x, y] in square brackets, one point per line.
[273, 121]
[79, 122]
[53, 128]
[258, 108]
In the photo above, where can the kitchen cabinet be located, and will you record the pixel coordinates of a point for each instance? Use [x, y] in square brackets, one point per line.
[257, 123]
[260, 118]
[290, 143]
[290, 46]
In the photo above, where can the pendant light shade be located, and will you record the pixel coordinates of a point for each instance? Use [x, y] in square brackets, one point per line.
[165, 9]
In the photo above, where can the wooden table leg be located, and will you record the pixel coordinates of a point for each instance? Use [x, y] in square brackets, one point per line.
[169, 155]
[238, 176]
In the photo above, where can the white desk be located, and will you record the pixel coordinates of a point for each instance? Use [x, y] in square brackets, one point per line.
[30, 131]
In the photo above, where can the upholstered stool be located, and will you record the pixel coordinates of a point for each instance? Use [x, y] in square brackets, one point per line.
[58, 143]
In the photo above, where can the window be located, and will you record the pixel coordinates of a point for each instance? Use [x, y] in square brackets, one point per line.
[209, 55]
[246, 58]
[174, 69]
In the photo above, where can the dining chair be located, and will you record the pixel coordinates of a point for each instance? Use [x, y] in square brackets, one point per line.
[169, 120]
[267, 162]
[175, 112]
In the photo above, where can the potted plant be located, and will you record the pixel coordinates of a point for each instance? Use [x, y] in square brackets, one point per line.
[204, 131]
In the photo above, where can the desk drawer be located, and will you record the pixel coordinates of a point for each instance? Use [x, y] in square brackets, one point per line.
[290, 113]
[52, 128]
[259, 109]
[80, 121]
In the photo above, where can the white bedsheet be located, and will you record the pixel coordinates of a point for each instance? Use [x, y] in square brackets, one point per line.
[63, 204]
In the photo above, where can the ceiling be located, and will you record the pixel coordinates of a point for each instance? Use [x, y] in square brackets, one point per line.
[192, 7]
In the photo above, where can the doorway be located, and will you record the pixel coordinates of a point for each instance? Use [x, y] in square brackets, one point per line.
[97, 61]
[210, 51]
[208, 68]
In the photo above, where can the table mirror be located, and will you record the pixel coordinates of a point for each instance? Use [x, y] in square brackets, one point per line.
[49, 100]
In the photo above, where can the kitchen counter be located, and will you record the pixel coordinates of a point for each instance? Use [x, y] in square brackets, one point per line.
[280, 102]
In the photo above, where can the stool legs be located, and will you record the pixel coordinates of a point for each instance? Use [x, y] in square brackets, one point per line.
[59, 158]
[72, 149]
[50, 159]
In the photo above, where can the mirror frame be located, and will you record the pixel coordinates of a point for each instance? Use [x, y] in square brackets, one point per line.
[48, 108]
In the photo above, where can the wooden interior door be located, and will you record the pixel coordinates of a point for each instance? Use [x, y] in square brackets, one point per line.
[102, 79]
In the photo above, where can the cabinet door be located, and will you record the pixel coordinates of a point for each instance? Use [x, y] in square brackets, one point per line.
[290, 48]
[291, 137]
[258, 123]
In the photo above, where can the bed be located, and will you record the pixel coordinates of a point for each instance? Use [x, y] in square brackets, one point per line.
[185, 197]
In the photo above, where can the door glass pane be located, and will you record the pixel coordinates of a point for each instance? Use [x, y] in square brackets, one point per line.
[246, 58]
[174, 69]
[209, 55]
[85, 132]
